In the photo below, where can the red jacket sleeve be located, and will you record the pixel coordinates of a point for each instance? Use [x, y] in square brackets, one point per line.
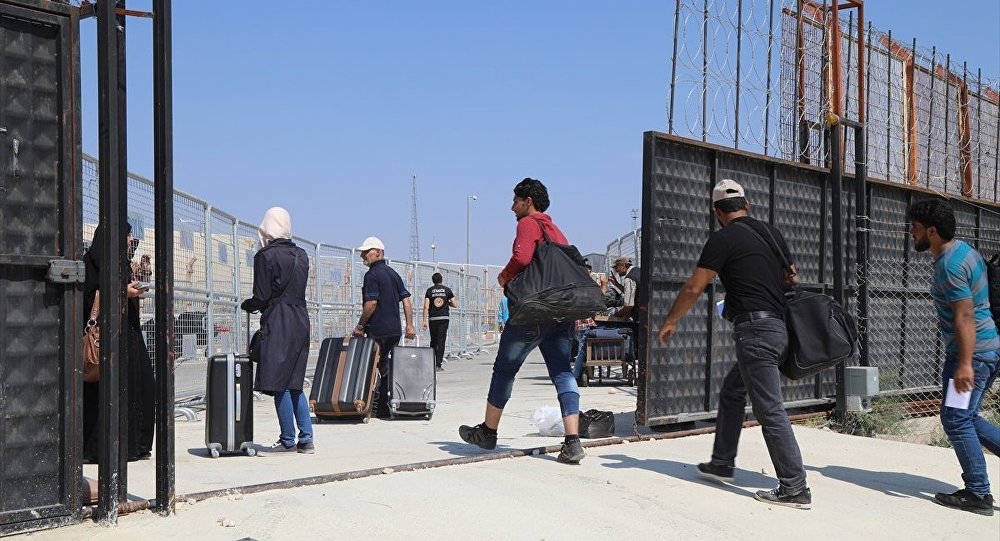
[529, 233]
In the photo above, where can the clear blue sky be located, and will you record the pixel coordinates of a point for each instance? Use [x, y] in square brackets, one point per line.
[327, 108]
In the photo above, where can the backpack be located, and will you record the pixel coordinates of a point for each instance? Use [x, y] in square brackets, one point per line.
[993, 281]
[820, 333]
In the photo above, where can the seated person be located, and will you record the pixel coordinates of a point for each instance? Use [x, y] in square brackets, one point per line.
[628, 285]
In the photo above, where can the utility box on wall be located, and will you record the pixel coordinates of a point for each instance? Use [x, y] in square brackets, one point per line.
[40, 381]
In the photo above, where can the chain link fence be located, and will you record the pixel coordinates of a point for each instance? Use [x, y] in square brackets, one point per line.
[213, 273]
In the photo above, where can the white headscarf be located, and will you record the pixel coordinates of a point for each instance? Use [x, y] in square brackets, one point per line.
[277, 224]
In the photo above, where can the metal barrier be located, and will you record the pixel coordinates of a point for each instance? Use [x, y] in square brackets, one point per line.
[213, 262]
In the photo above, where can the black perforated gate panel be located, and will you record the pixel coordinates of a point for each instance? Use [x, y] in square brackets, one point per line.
[38, 397]
[681, 382]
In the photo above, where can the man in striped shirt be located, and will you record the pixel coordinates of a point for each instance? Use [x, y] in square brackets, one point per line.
[960, 290]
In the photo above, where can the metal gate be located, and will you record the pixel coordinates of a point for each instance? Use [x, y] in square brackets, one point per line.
[897, 323]
[39, 222]
[681, 382]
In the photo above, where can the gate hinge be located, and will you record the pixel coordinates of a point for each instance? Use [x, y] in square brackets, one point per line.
[66, 271]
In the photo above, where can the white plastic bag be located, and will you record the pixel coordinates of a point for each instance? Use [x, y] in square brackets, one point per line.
[548, 420]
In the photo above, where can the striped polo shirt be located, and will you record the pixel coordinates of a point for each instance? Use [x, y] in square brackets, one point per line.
[960, 273]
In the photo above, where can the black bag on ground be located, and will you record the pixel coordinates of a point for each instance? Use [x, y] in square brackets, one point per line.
[820, 333]
[597, 424]
[555, 287]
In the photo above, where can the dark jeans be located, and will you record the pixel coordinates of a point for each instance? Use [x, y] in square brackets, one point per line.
[760, 349]
[967, 431]
[439, 334]
[380, 402]
[516, 342]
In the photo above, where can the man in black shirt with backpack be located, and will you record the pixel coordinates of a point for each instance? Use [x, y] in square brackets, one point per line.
[755, 282]
[437, 304]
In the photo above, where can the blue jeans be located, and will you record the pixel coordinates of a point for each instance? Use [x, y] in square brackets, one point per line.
[516, 342]
[581, 355]
[966, 430]
[760, 349]
[293, 409]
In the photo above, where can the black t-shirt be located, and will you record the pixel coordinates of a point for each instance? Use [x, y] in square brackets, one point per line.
[439, 296]
[384, 285]
[749, 268]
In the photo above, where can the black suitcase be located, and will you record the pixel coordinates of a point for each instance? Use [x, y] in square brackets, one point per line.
[346, 378]
[228, 405]
[412, 382]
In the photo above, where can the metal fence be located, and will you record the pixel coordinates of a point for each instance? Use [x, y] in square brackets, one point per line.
[213, 262]
[763, 76]
[627, 245]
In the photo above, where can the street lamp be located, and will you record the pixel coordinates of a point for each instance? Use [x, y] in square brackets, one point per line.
[433, 257]
[468, 228]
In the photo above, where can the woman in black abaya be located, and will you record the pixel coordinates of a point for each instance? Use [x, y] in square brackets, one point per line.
[141, 386]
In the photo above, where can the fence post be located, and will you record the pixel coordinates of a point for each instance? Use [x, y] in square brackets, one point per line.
[320, 335]
[235, 331]
[837, 229]
[862, 230]
[209, 321]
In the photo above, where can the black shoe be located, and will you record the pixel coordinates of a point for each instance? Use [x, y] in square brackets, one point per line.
[778, 496]
[476, 435]
[967, 501]
[571, 452]
[722, 474]
[306, 448]
[440, 368]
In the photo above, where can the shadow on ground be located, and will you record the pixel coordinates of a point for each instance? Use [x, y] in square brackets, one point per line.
[887, 482]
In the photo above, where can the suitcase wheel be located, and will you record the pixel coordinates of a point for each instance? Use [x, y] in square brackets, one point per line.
[250, 451]
[214, 452]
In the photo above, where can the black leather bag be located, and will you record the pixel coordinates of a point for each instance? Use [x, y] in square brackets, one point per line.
[597, 424]
[253, 350]
[555, 287]
[820, 333]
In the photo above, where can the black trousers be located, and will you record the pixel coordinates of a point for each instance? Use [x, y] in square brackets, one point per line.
[439, 335]
[380, 403]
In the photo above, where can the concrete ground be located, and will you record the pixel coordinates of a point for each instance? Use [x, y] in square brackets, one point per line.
[861, 487]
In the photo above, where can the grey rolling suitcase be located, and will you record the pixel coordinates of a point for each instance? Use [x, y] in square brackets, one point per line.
[229, 405]
[412, 382]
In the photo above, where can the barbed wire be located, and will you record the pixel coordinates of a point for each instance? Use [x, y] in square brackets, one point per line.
[755, 75]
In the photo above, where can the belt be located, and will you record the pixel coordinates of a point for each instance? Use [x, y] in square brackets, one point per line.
[754, 316]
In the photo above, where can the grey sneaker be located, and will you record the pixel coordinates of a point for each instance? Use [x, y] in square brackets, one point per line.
[278, 447]
[571, 452]
[715, 472]
[778, 496]
[477, 436]
[306, 448]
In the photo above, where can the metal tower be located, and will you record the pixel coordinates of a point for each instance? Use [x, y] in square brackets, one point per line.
[414, 235]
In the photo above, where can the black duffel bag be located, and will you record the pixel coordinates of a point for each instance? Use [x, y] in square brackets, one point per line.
[555, 287]
[597, 424]
[820, 333]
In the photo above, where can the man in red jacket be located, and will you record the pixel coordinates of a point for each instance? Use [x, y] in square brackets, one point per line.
[531, 199]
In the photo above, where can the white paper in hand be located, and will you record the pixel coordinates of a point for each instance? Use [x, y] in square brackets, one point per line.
[955, 399]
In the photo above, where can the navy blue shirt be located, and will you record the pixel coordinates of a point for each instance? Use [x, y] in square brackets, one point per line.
[384, 285]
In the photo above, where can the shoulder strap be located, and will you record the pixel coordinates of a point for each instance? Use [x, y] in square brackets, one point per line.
[773, 244]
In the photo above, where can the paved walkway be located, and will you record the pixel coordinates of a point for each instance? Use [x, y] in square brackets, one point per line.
[861, 487]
